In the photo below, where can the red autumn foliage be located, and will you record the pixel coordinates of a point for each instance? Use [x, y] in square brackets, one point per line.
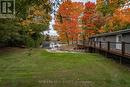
[67, 24]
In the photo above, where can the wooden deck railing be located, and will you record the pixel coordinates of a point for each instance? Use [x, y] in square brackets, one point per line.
[111, 47]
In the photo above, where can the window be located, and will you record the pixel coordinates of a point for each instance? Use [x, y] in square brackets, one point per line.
[119, 38]
[95, 39]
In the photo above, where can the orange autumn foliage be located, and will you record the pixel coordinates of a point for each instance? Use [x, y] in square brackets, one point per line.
[119, 20]
[89, 19]
[71, 15]
[66, 23]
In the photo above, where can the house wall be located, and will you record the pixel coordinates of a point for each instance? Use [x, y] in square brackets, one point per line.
[111, 39]
[106, 39]
[126, 38]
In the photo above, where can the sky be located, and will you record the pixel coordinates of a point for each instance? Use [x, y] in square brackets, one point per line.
[52, 31]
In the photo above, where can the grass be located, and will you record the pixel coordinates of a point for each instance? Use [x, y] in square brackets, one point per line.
[43, 69]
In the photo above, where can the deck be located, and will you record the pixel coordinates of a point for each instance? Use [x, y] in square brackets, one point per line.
[108, 47]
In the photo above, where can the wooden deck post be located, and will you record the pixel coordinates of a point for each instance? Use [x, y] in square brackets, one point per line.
[94, 46]
[100, 44]
[123, 48]
[108, 49]
[123, 51]
[90, 44]
[108, 46]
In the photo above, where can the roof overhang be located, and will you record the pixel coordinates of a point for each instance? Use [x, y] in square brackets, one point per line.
[112, 33]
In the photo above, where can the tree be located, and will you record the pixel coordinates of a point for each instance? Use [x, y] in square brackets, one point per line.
[107, 7]
[22, 6]
[67, 24]
[14, 33]
[115, 13]
[119, 20]
[88, 20]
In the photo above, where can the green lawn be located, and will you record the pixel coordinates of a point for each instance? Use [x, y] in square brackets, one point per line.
[43, 69]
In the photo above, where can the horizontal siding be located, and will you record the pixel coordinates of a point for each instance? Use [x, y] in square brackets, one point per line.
[126, 38]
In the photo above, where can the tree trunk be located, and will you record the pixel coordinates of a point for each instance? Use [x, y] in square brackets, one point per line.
[72, 41]
[67, 38]
[84, 38]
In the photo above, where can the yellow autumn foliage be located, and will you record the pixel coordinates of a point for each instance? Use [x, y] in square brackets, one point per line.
[36, 15]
